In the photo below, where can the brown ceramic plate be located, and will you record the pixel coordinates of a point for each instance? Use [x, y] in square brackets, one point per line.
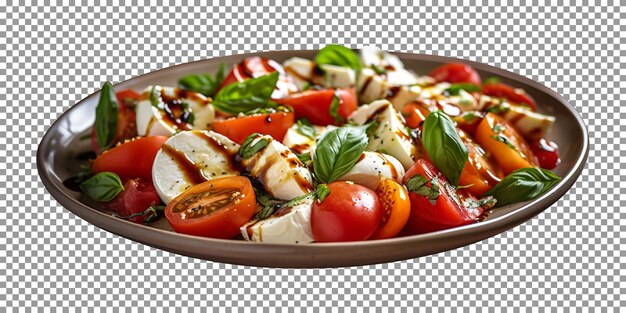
[62, 144]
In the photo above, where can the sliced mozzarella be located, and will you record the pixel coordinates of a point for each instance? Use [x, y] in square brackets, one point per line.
[531, 125]
[401, 77]
[279, 170]
[390, 136]
[403, 95]
[300, 69]
[464, 100]
[370, 86]
[338, 76]
[190, 157]
[372, 56]
[153, 121]
[288, 225]
[299, 143]
[434, 90]
[372, 167]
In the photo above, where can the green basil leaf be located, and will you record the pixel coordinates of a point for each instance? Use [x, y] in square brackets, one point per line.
[444, 146]
[338, 55]
[334, 109]
[418, 184]
[523, 184]
[205, 84]
[305, 128]
[268, 203]
[455, 89]
[304, 157]
[247, 95]
[106, 116]
[247, 149]
[321, 192]
[491, 80]
[337, 152]
[102, 187]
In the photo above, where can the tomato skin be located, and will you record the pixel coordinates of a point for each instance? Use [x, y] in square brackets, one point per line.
[138, 195]
[132, 159]
[396, 209]
[223, 222]
[547, 153]
[517, 96]
[239, 128]
[315, 104]
[509, 158]
[456, 73]
[448, 210]
[414, 114]
[126, 127]
[478, 172]
[350, 212]
[253, 67]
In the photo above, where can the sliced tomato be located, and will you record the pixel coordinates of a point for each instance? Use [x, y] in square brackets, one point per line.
[216, 208]
[478, 174]
[447, 211]
[130, 159]
[126, 127]
[350, 212]
[469, 121]
[239, 128]
[315, 105]
[504, 143]
[515, 95]
[456, 73]
[414, 114]
[253, 67]
[547, 153]
[396, 209]
[133, 203]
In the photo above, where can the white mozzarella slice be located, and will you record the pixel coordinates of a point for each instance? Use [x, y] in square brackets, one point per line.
[372, 56]
[299, 143]
[287, 225]
[338, 76]
[532, 125]
[154, 121]
[300, 69]
[191, 157]
[401, 77]
[279, 170]
[372, 167]
[403, 96]
[370, 86]
[434, 90]
[464, 100]
[390, 136]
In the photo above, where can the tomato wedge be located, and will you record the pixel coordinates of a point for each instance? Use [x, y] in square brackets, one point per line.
[216, 208]
[504, 143]
[447, 211]
[132, 159]
[138, 195]
[455, 73]
[478, 174]
[315, 105]
[547, 153]
[239, 128]
[396, 206]
[515, 95]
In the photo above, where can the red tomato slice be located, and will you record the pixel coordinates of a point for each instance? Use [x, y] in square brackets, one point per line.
[239, 128]
[350, 212]
[126, 119]
[456, 73]
[315, 104]
[216, 208]
[448, 210]
[252, 67]
[515, 95]
[137, 197]
[131, 159]
[547, 152]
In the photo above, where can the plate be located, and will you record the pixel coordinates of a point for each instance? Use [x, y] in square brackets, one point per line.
[62, 145]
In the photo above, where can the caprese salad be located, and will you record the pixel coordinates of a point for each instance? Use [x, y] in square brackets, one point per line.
[346, 147]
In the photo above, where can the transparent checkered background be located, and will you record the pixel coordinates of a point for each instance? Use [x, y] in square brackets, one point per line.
[51, 56]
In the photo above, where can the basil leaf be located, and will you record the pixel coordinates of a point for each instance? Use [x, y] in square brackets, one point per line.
[205, 84]
[269, 203]
[305, 128]
[321, 192]
[304, 157]
[523, 184]
[444, 146]
[338, 55]
[106, 116]
[102, 187]
[491, 80]
[337, 152]
[247, 149]
[334, 109]
[418, 184]
[455, 89]
[247, 95]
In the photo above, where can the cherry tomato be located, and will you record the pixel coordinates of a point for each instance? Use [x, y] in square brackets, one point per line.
[253, 67]
[216, 208]
[448, 210]
[515, 95]
[239, 128]
[547, 153]
[130, 159]
[504, 143]
[126, 120]
[315, 104]
[138, 195]
[456, 73]
[396, 207]
[350, 212]
[478, 174]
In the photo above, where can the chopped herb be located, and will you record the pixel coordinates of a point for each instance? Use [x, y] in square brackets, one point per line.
[304, 157]
[498, 128]
[334, 109]
[418, 184]
[505, 140]
[491, 80]
[247, 149]
[455, 89]
[305, 128]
